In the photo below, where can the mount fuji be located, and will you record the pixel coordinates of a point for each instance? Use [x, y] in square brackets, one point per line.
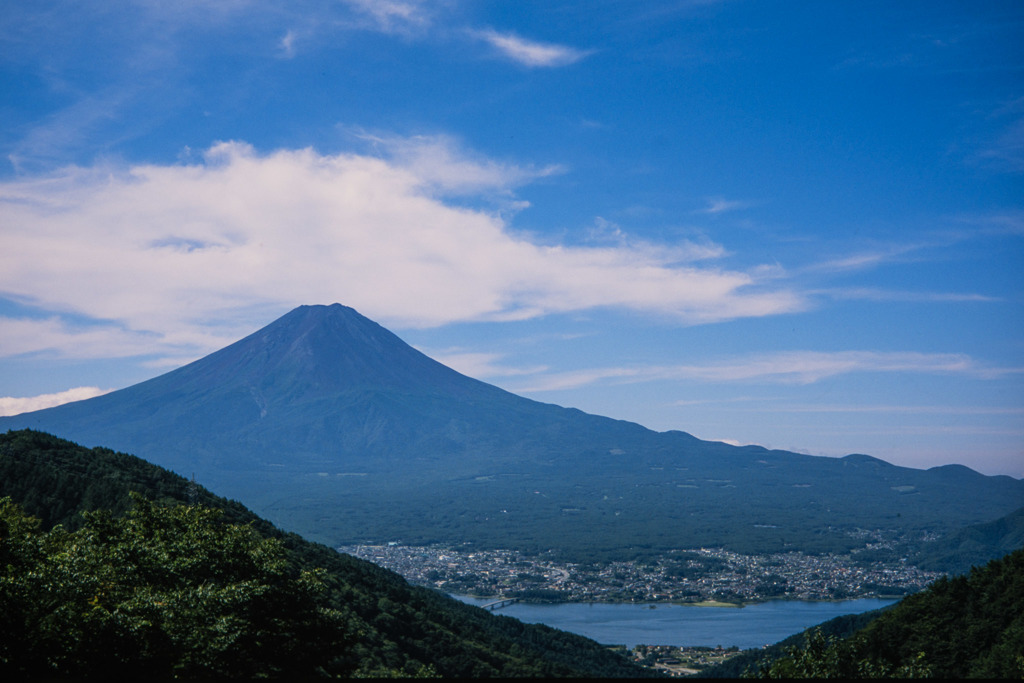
[331, 426]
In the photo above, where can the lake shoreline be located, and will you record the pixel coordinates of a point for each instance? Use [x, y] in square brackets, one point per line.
[683, 625]
[718, 604]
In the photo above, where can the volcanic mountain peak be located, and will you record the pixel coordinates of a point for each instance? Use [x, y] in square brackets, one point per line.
[317, 350]
[324, 330]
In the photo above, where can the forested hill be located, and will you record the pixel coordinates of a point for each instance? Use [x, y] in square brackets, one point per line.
[974, 545]
[175, 581]
[967, 626]
[971, 625]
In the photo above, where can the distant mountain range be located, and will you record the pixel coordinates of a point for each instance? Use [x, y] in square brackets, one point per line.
[331, 426]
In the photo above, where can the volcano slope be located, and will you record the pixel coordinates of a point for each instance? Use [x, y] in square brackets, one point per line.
[331, 426]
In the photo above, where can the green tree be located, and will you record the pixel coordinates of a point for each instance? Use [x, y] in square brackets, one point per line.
[829, 657]
[165, 590]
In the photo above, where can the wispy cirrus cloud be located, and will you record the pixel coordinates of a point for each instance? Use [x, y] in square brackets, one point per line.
[53, 336]
[864, 259]
[998, 224]
[394, 16]
[875, 294]
[287, 44]
[479, 365]
[717, 205]
[793, 367]
[442, 166]
[889, 409]
[1005, 152]
[531, 53]
[68, 131]
[805, 367]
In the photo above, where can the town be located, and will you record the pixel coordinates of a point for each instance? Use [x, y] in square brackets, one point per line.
[680, 661]
[701, 575]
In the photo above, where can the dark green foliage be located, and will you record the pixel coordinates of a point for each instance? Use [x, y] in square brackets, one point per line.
[178, 589]
[161, 590]
[828, 657]
[751, 660]
[52, 481]
[968, 626]
[974, 545]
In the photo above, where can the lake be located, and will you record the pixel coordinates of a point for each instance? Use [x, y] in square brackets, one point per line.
[666, 624]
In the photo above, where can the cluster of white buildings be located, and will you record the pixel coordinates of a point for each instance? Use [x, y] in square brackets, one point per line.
[704, 574]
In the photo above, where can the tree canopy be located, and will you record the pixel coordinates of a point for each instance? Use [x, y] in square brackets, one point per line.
[967, 626]
[161, 589]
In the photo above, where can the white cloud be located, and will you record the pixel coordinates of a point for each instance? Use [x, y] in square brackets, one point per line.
[575, 379]
[393, 16]
[176, 259]
[70, 129]
[479, 365]
[883, 254]
[805, 367]
[872, 294]
[863, 260]
[531, 53]
[10, 405]
[443, 169]
[792, 367]
[287, 44]
[25, 335]
[718, 205]
[105, 339]
[606, 232]
[1006, 151]
[890, 409]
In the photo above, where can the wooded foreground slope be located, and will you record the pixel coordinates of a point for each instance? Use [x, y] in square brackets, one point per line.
[966, 626]
[179, 582]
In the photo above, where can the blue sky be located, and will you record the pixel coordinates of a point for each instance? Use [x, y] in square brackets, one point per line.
[799, 225]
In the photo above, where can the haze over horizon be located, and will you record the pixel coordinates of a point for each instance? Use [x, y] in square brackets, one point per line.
[802, 229]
